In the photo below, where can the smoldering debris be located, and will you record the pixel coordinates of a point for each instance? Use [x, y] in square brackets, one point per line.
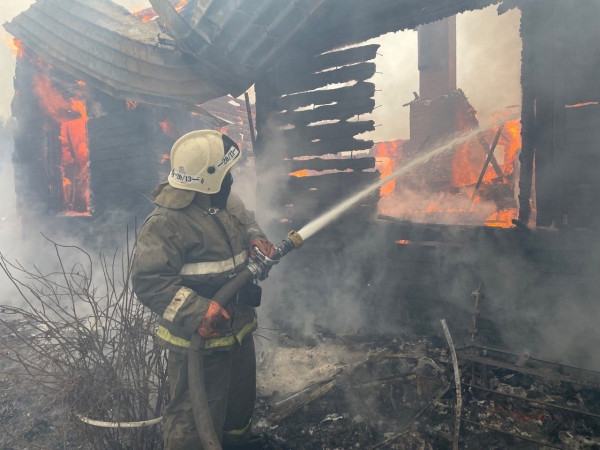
[372, 391]
[397, 392]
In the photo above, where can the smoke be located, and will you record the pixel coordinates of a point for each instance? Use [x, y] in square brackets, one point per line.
[489, 59]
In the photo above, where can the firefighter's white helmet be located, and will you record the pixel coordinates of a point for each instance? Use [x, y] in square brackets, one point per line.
[201, 159]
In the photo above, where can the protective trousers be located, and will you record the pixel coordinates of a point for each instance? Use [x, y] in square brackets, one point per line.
[230, 380]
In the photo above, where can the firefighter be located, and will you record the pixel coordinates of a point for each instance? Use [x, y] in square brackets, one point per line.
[196, 239]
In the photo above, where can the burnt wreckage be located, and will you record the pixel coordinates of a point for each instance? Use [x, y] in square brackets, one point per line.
[101, 93]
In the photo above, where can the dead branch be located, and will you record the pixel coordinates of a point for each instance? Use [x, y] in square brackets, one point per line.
[87, 344]
[456, 382]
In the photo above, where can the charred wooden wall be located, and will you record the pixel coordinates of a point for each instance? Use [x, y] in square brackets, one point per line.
[35, 157]
[304, 127]
[561, 114]
[128, 146]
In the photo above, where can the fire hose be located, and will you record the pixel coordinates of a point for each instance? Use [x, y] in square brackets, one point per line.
[257, 269]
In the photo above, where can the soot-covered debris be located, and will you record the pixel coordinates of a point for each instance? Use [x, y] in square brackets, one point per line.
[392, 392]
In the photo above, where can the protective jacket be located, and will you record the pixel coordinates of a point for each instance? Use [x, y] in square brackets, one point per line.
[186, 251]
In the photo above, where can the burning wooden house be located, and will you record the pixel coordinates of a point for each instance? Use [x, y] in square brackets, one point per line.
[101, 94]
[136, 83]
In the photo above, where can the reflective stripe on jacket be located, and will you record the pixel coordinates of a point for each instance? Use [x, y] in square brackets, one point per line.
[184, 255]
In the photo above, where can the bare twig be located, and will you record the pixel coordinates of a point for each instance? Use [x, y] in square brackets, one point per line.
[89, 347]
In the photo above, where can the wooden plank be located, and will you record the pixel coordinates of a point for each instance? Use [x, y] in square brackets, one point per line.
[322, 193]
[303, 134]
[583, 117]
[328, 146]
[359, 214]
[351, 55]
[319, 202]
[314, 64]
[320, 164]
[350, 181]
[325, 96]
[339, 111]
[586, 139]
[307, 82]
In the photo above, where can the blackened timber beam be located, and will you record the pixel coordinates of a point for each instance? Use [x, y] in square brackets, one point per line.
[359, 213]
[348, 56]
[338, 111]
[321, 200]
[320, 164]
[328, 146]
[352, 181]
[493, 161]
[328, 131]
[332, 59]
[325, 96]
[292, 85]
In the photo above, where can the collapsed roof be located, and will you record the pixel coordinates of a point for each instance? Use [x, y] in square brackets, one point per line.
[211, 47]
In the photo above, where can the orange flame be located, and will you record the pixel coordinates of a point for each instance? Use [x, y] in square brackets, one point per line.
[387, 153]
[299, 173]
[15, 46]
[455, 205]
[74, 161]
[502, 218]
[469, 158]
[148, 14]
[169, 128]
[51, 101]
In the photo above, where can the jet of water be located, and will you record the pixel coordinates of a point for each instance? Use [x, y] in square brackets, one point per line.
[329, 216]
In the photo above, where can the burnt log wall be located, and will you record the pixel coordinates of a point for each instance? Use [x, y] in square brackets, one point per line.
[304, 127]
[36, 156]
[561, 115]
[128, 146]
[124, 164]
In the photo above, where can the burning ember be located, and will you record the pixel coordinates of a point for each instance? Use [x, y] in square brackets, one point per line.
[299, 173]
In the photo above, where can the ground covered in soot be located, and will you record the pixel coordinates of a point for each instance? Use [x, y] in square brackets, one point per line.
[398, 392]
[370, 392]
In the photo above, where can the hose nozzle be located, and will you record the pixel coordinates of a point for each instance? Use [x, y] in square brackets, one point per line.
[261, 265]
[292, 241]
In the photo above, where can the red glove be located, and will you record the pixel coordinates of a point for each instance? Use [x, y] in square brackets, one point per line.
[264, 246]
[214, 315]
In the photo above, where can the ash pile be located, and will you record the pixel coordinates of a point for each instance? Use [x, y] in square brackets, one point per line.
[400, 392]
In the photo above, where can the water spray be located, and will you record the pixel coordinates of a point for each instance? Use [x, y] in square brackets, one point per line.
[329, 216]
